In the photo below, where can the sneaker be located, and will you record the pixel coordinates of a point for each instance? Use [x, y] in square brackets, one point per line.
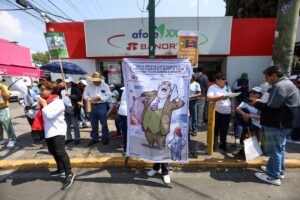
[1, 142]
[11, 144]
[152, 172]
[290, 140]
[92, 142]
[237, 149]
[68, 181]
[264, 169]
[167, 179]
[264, 177]
[117, 135]
[57, 173]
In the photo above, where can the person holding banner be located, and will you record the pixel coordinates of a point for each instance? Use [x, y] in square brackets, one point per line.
[50, 118]
[99, 93]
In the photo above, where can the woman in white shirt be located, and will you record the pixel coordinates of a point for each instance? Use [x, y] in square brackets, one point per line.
[224, 107]
[51, 118]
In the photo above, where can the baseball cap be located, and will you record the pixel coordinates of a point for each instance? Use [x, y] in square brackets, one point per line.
[257, 89]
[69, 79]
[83, 82]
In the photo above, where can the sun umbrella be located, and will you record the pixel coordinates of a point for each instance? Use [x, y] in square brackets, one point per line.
[68, 68]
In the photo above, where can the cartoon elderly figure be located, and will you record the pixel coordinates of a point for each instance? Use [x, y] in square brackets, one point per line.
[157, 113]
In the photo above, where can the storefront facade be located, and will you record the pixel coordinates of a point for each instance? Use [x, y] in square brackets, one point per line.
[230, 45]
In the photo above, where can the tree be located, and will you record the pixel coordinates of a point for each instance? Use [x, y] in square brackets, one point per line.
[251, 8]
[40, 58]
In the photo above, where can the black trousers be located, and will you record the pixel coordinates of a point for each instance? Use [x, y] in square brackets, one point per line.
[164, 168]
[221, 128]
[123, 125]
[56, 146]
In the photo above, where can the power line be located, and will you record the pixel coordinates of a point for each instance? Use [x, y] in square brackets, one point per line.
[101, 8]
[88, 9]
[96, 7]
[17, 9]
[60, 10]
[42, 7]
[25, 11]
[76, 9]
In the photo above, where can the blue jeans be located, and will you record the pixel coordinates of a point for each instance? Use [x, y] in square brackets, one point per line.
[275, 140]
[99, 112]
[72, 119]
[83, 117]
[201, 105]
[193, 107]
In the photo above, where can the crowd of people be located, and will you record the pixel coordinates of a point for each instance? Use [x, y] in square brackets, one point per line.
[54, 109]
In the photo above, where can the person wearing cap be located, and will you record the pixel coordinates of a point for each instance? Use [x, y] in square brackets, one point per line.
[5, 121]
[242, 85]
[247, 116]
[99, 93]
[278, 117]
[71, 96]
[82, 104]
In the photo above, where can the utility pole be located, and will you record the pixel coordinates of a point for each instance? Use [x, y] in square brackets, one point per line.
[151, 10]
[285, 34]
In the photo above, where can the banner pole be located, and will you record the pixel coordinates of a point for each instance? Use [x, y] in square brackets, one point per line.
[62, 72]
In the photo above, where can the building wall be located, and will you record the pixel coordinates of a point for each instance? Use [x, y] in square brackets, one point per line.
[88, 64]
[253, 65]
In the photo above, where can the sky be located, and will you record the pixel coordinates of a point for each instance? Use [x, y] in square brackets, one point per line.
[28, 30]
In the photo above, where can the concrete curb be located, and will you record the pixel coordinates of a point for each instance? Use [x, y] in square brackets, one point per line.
[137, 163]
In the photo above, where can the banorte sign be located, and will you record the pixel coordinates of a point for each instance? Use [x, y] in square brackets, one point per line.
[161, 32]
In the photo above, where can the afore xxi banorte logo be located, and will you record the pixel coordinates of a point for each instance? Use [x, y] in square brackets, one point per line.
[166, 39]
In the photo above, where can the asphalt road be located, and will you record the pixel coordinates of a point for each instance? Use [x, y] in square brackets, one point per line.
[131, 184]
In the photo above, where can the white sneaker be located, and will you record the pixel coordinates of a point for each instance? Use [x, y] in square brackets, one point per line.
[152, 172]
[11, 144]
[264, 169]
[264, 177]
[1, 142]
[167, 179]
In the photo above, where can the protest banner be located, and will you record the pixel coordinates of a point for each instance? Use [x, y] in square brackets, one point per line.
[57, 48]
[188, 46]
[157, 102]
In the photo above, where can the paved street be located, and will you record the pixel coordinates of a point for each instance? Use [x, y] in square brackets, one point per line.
[234, 184]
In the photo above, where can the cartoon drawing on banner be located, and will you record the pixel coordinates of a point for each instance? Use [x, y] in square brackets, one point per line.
[157, 107]
[176, 144]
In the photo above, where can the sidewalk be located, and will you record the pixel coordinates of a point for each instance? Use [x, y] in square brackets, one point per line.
[24, 155]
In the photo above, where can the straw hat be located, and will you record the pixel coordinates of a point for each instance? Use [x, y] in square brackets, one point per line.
[96, 76]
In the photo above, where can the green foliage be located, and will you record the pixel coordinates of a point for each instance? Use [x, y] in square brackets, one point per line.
[40, 58]
[251, 8]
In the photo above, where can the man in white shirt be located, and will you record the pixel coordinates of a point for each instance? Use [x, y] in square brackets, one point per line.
[99, 93]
